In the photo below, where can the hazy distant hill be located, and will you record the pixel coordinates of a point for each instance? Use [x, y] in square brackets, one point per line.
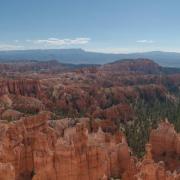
[79, 56]
[133, 65]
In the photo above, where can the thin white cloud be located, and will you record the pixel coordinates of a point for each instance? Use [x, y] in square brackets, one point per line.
[61, 42]
[6, 47]
[145, 41]
[114, 50]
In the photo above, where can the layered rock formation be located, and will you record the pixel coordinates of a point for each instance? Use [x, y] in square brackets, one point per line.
[31, 149]
[17, 143]
[149, 170]
[20, 87]
[34, 151]
[166, 145]
[7, 171]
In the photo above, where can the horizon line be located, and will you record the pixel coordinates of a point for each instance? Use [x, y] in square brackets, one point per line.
[89, 50]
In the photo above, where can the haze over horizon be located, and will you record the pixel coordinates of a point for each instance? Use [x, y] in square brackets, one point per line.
[100, 26]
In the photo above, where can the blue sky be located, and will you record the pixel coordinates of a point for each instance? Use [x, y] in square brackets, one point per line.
[97, 25]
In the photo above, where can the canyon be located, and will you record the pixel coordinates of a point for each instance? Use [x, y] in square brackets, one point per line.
[114, 121]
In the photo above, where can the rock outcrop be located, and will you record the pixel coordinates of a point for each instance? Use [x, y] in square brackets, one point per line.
[7, 171]
[35, 152]
[149, 170]
[11, 115]
[166, 145]
[27, 104]
[31, 149]
[20, 87]
[5, 101]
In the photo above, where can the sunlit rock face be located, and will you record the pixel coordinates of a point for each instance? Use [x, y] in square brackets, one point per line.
[32, 149]
[147, 169]
[35, 151]
[166, 145]
[7, 171]
[17, 143]
[79, 155]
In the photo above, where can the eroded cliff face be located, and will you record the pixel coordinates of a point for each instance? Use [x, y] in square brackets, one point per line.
[17, 143]
[20, 87]
[147, 169]
[37, 149]
[7, 171]
[34, 151]
[19, 96]
[166, 145]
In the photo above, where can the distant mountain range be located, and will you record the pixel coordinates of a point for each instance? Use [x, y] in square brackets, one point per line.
[80, 56]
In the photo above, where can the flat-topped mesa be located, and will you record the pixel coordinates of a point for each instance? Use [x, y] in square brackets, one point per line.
[22, 87]
[166, 145]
